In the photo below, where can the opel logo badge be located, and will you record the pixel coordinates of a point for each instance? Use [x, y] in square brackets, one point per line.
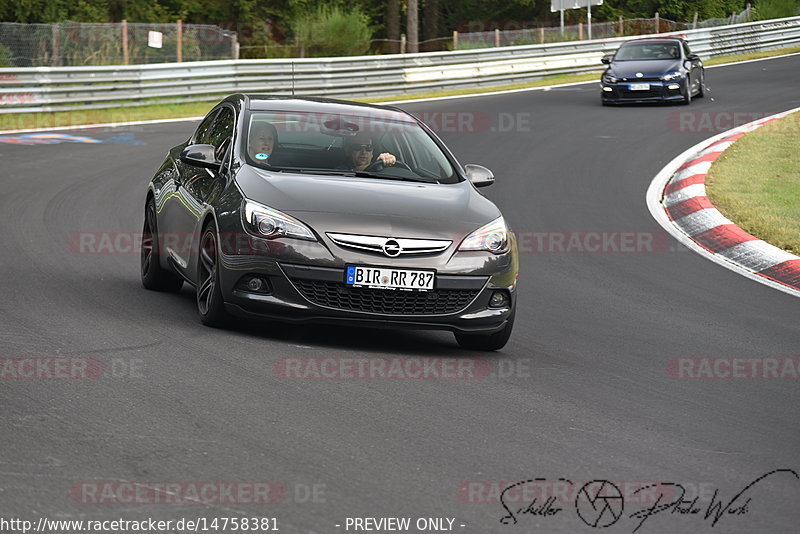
[392, 248]
[639, 74]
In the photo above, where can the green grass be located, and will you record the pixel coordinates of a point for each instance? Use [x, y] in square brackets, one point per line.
[752, 55]
[123, 113]
[756, 183]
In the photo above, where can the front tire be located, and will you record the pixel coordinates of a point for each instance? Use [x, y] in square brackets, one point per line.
[488, 342]
[154, 276]
[700, 90]
[687, 98]
[210, 305]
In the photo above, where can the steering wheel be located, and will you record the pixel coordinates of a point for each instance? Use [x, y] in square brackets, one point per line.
[378, 166]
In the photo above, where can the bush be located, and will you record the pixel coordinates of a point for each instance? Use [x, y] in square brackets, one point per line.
[331, 31]
[775, 9]
[6, 58]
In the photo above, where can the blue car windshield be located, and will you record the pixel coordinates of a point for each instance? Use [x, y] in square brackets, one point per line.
[647, 51]
[319, 142]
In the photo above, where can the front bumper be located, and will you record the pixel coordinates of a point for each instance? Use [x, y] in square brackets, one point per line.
[659, 91]
[303, 293]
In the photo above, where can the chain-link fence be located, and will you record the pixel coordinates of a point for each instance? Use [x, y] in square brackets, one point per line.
[118, 43]
[578, 32]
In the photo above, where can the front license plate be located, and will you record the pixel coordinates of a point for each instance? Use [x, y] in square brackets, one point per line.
[383, 278]
[639, 87]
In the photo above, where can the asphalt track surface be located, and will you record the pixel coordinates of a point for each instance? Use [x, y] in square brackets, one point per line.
[589, 394]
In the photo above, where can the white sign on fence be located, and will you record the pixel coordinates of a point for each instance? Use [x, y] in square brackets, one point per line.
[560, 5]
[155, 39]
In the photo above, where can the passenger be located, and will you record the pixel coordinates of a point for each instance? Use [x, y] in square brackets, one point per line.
[263, 140]
[358, 154]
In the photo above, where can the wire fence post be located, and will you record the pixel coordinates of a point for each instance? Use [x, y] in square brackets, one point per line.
[180, 41]
[402, 43]
[694, 23]
[124, 42]
[55, 60]
[580, 31]
[657, 23]
[455, 39]
[497, 37]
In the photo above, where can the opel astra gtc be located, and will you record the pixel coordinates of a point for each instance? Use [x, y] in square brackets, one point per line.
[316, 210]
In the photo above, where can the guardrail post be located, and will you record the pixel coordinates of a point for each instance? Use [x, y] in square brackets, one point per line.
[124, 42]
[180, 41]
[455, 39]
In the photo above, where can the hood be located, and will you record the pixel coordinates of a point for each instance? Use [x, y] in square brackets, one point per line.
[649, 69]
[348, 204]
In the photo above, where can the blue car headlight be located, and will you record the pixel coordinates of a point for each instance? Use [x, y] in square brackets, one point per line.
[608, 78]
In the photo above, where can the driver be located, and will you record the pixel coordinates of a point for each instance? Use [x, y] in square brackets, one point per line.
[358, 153]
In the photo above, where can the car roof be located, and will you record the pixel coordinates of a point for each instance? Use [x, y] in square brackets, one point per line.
[259, 102]
[664, 40]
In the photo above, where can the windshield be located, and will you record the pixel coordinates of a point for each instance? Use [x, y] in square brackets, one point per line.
[647, 51]
[360, 145]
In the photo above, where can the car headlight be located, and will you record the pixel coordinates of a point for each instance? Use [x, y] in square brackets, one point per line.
[492, 237]
[269, 223]
[671, 76]
[607, 78]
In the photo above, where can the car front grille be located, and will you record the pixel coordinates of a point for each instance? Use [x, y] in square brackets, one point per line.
[640, 94]
[384, 301]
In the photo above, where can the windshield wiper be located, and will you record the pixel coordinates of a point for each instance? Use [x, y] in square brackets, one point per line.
[363, 174]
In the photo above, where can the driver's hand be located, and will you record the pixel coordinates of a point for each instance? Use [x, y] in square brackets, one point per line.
[387, 159]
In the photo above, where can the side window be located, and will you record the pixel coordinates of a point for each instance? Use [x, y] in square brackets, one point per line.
[201, 135]
[221, 132]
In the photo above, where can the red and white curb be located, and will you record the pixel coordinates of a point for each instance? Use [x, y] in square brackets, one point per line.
[678, 201]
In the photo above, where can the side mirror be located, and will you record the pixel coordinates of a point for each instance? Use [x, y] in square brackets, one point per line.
[479, 176]
[607, 59]
[200, 156]
[693, 57]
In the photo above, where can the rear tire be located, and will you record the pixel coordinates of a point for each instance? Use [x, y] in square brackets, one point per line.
[154, 276]
[488, 342]
[210, 305]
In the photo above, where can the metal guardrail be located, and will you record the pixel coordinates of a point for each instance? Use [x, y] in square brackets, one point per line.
[79, 88]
